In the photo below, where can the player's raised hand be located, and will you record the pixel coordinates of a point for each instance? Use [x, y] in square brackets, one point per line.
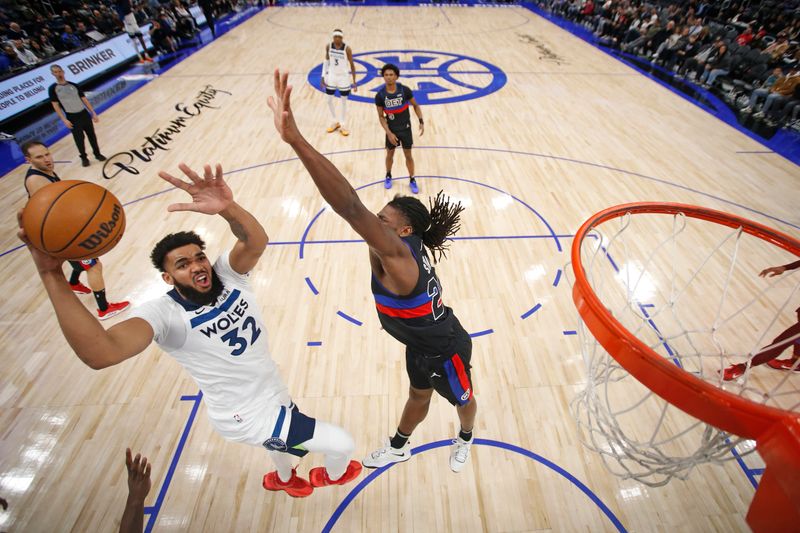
[210, 194]
[772, 272]
[281, 107]
[138, 475]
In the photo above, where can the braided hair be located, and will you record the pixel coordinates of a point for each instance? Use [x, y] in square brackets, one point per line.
[434, 226]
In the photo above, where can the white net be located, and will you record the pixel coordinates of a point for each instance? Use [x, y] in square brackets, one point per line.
[690, 290]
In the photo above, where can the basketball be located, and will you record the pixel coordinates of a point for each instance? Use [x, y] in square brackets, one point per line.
[74, 220]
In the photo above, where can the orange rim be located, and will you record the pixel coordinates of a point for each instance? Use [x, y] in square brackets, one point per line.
[719, 408]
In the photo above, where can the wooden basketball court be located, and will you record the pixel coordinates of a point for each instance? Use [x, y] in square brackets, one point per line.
[571, 132]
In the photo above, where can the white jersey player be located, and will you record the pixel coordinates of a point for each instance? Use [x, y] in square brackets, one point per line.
[338, 74]
[211, 324]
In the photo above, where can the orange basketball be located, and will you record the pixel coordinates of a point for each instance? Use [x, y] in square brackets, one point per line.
[74, 220]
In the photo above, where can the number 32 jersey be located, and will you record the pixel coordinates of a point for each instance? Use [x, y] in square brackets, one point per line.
[419, 320]
[224, 348]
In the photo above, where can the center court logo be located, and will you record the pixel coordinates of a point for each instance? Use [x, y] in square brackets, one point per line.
[435, 77]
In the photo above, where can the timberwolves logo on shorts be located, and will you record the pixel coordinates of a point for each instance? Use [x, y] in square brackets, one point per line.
[435, 77]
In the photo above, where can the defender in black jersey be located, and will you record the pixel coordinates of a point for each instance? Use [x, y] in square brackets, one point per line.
[392, 101]
[408, 294]
[40, 174]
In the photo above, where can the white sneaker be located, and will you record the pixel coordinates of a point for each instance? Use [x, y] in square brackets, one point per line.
[387, 455]
[747, 110]
[459, 453]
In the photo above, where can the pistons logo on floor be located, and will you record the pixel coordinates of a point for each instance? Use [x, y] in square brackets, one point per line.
[434, 77]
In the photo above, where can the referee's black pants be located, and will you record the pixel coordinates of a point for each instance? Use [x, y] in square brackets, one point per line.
[82, 124]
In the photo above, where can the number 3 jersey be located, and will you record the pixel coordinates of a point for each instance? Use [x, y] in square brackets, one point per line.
[419, 320]
[224, 348]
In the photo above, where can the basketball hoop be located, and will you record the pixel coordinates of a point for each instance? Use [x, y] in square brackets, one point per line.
[662, 316]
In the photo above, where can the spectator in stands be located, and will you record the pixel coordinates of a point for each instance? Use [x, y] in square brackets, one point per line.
[782, 89]
[746, 37]
[48, 50]
[9, 61]
[185, 23]
[104, 23]
[15, 32]
[719, 64]
[651, 28]
[24, 53]
[669, 48]
[786, 111]
[697, 63]
[161, 37]
[777, 48]
[69, 39]
[793, 31]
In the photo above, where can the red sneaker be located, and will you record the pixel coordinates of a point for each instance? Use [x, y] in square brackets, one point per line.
[80, 288]
[296, 487]
[113, 309]
[319, 476]
[733, 372]
[784, 364]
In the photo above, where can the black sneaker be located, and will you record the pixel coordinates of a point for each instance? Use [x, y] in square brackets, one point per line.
[100, 157]
[85, 161]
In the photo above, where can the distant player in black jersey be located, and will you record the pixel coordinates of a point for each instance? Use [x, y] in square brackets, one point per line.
[408, 295]
[393, 100]
[42, 173]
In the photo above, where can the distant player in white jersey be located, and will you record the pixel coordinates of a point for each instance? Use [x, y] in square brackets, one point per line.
[338, 74]
[211, 324]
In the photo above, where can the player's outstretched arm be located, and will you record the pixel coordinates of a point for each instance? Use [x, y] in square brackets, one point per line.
[138, 488]
[333, 186]
[93, 344]
[212, 196]
[778, 270]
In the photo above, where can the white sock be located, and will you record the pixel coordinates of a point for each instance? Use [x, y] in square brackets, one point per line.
[283, 464]
[344, 110]
[332, 105]
[336, 444]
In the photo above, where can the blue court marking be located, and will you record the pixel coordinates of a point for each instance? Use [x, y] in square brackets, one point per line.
[530, 311]
[751, 473]
[661, 338]
[337, 513]
[465, 180]
[349, 318]
[569, 332]
[558, 278]
[481, 333]
[156, 508]
[353, 17]
[311, 286]
[414, 63]
[314, 343]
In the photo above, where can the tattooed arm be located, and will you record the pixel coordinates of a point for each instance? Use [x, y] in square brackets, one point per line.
[251, 238]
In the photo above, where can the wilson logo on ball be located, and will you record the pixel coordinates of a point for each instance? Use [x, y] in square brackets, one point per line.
[103, 232]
